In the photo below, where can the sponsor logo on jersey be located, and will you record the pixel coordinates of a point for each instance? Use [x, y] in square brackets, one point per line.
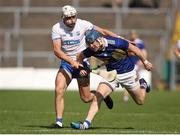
[71, 42]
[111, 42]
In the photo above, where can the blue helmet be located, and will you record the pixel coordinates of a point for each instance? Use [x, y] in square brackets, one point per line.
[92, 35]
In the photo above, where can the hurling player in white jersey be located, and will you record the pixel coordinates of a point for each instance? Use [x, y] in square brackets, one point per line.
[68, 36]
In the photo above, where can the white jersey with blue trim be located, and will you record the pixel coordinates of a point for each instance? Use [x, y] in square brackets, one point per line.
[73, 39]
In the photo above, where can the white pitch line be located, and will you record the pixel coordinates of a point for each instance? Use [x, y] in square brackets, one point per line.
[95, 131]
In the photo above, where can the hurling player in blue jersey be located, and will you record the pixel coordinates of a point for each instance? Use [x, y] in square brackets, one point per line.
[116, 51]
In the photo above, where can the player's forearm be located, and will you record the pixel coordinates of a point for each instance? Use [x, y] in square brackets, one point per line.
[140, 55]
[80, 57]
[144, 52]
[61, 55]
[106, 32]
[109, 33]
[137, 52]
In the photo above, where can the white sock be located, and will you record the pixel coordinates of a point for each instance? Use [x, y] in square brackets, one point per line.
[87, 124]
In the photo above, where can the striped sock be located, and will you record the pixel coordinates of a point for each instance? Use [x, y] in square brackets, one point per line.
[59, 119]
[143, 83]
[87, 124]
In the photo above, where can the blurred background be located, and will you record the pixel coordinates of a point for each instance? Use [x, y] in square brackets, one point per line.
[25, 34]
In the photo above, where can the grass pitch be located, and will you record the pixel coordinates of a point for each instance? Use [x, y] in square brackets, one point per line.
[32, 112]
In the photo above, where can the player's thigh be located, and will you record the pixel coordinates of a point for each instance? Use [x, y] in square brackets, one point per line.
[84, 86]
[62, 80]
[104, 89]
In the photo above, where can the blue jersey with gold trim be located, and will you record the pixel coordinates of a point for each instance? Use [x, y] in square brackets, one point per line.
[115, 54]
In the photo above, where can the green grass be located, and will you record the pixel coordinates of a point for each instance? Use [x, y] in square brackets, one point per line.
[32, 112]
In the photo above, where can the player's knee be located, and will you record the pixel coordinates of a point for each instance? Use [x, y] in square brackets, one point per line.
[86, 99]
[99, 97]
[59, 91]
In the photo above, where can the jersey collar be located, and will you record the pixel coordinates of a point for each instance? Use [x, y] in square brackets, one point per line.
[105, 43]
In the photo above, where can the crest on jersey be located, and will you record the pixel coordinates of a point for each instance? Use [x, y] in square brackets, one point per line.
[78, 33]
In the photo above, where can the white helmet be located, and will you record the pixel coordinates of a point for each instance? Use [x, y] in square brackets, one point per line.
[68, 11]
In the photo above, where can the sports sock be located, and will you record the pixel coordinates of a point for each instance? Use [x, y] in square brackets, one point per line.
[87, 124]
[143, 83]
[59, 121]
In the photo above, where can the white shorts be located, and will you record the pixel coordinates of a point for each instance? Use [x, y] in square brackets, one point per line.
[127, 80]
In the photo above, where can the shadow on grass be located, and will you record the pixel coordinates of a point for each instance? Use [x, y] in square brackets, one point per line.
[91, 128]
[53, 126]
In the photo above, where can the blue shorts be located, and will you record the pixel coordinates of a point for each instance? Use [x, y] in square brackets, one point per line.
[74, 72]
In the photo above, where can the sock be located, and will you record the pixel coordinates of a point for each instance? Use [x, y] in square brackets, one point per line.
[143, 83]
[59, 121]
[87, 124]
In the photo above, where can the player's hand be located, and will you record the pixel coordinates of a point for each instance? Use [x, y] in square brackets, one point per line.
[148, 65]
[83, 72]
[75, 64]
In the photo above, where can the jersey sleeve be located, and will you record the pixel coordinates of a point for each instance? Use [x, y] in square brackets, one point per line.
[88, 53]
[87, 25]
[55, 35]
[118, 42]
[123, 44]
